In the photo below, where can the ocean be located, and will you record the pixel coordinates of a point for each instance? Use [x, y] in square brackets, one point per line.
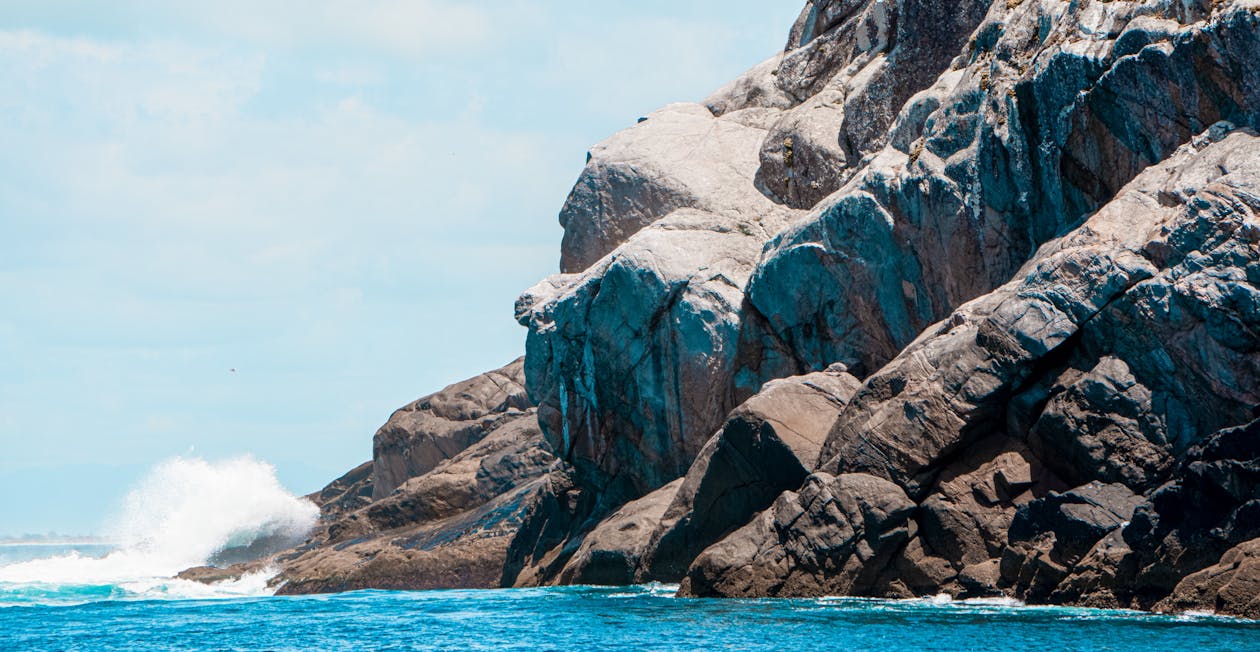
[121, 594]
[165, 614]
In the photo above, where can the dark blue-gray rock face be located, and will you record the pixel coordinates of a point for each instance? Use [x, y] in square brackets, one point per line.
[1050, 110]
[633, 361]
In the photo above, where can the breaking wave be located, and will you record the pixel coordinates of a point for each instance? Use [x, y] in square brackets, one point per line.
[184, 513]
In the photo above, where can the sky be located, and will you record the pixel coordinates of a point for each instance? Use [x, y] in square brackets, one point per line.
[339, 200]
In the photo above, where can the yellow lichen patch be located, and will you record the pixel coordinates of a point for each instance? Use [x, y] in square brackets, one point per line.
[916, 151]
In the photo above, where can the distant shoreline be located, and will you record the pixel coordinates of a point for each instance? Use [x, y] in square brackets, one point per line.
[77, 541]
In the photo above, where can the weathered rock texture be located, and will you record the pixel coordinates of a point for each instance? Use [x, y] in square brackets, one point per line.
[956, 220]
[1230, 586]
[1211, 505]
[1128, 341]
[767, 446]
[681, 156]
[945, 297]
[422, 434]
[448, 528]
[462, 467]
[1028, 227]
[831, 538]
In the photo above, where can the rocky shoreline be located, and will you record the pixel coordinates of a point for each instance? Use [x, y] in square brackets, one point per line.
[944, 298]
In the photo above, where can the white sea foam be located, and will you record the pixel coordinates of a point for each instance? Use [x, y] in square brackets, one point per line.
[182, 514]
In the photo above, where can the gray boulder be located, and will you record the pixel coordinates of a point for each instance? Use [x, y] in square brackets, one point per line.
[680, 156]
[833, 537]
[1231, 586]
[434, 428]
[614, 552]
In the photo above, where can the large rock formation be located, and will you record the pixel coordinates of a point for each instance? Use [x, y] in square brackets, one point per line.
[945, 297]
[633, 362]
[1045, 114]
[924, 157]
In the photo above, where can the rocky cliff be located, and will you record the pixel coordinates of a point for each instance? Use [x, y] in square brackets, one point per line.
[945, 297]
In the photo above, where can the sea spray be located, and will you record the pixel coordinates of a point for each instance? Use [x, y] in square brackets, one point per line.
[185, 512]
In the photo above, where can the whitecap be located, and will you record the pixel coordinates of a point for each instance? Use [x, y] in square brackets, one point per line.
[184, 513]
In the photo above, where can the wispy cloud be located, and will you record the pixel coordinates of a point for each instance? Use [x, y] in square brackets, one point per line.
[410, 28]
[340, 199]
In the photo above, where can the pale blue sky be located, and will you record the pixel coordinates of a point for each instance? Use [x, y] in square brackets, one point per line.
[341, 200]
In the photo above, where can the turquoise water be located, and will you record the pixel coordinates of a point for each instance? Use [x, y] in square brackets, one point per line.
[93, 596]
[581, 618]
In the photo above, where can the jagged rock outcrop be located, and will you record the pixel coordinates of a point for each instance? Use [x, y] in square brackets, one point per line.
[1211, 505]
[1047, 112]
[1161, 259]
[434, 428]
[851, 66]
[482, 461]
[448, 528]
[347, 493]
[633, 361]
[508, 456]
[1049, 536]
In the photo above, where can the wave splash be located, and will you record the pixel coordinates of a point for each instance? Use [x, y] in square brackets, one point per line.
[186, 512]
